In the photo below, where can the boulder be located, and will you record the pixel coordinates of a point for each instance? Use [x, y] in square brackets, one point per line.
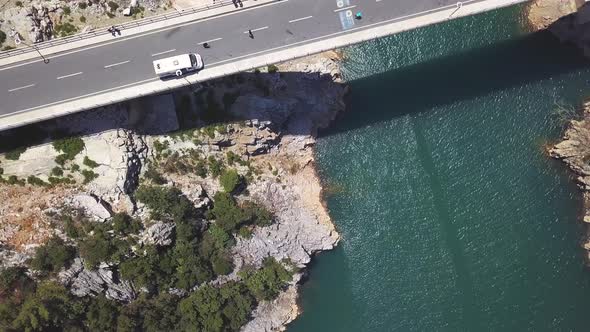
[92, 206]
[159, 234]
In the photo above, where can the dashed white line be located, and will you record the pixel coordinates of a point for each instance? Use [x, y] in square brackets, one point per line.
[300, 19]
[345, 8]
[70, 75]
[117, 64]
[22, 87]
[254, 30]
[160, 53]
[209, 41]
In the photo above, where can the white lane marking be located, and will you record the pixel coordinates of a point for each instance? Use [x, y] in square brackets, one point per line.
[258, 29]
[378, 0]
[79, 97]
[118, 40]
[345, 8]
[209, 41]
[160, 53]
[300, 19]
[22, 87]
[70, 75]
[117, 64]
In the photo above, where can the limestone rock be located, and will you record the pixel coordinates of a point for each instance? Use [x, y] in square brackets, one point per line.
[83, 282]
[159, 234]
[92, 206]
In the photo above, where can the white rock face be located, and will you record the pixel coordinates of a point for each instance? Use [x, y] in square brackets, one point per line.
[160, 234]
[84, 282]
[92, 206]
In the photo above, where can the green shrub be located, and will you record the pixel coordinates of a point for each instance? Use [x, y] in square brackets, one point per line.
[82, 19]
[1, 170]
[222, 265]
[89, 162]
[266, 283]
[160, 147]
[57, 171]
[12, 180]
[201, 169]
[165, 202]
[152, 174]
[15, 154]
[110, 15]
[97, 248]
[232, 158]
[7, 47]
[272, 69]
[61, 159]
[82, 5]
[215, 166]
[245, 232]
[70, 227]
[52, 256]
[230, 179]
[19, 3]
[112, 5]
[216, 309]
[257, 214]
[67, 10]
[88, 176]
[2, 37]
[75, 168]
[70, 147]
[124, 224]
[35, 181]
[65, 29]
[227, 214]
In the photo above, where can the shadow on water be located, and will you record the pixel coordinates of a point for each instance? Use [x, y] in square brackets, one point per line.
[446, 80]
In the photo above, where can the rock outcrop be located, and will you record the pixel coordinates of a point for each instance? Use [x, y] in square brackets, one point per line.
[84, 282]
[574, 151]
[159, 234]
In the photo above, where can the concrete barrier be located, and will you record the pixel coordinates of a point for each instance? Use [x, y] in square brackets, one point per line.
[251, 61]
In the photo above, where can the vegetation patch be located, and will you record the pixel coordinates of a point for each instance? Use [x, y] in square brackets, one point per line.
[69, 147]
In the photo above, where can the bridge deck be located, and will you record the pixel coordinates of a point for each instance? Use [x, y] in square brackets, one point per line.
[34, 86]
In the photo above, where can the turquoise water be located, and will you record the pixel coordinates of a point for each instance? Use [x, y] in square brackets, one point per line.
[452, 216]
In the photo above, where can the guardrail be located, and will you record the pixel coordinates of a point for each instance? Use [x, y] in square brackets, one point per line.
[103, 31]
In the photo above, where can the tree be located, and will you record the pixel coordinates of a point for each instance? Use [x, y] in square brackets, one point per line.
[226, 212]
[165, 202]
[52, 256]
[97, 248]
[124, 224]
[201, 311]
[266, 283]
[48, 309]
[230, 179]
[102, 314]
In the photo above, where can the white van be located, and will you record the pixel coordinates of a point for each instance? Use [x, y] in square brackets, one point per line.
[178, 65]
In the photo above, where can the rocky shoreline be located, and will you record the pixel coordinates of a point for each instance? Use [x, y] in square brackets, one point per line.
[574, 151]
[264, 127]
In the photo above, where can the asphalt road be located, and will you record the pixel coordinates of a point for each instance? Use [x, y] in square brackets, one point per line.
[34, 85]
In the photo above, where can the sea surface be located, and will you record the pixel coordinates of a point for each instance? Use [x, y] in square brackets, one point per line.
[452, 216]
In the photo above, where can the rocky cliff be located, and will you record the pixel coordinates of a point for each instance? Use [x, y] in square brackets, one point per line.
[264, 127]
[574, 151]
